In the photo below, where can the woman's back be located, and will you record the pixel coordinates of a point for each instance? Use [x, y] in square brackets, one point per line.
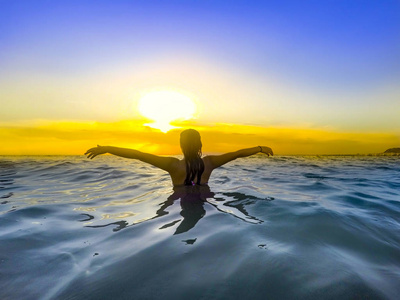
[178, 172]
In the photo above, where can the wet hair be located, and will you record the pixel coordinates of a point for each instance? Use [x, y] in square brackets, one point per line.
[191, 148]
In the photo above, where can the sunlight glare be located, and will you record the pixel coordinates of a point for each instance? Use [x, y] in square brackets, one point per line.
[163, 107]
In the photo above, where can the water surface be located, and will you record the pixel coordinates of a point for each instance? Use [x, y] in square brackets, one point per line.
[266, 228]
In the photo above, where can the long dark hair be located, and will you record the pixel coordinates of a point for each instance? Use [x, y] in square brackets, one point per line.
[191, 148]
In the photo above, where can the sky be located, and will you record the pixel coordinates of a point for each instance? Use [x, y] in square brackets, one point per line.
[303, 77]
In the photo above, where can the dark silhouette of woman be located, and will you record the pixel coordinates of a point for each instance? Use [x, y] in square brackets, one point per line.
[193, 169]
[189, 177]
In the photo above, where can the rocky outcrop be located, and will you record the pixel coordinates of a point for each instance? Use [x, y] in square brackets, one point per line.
[392, 150]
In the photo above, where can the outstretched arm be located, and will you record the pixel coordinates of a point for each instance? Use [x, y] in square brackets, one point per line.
[164, 163]
[219, 160]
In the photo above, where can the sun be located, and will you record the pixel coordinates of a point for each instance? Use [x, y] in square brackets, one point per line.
[163, 107]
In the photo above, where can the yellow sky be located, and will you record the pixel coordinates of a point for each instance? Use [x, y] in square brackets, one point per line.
[232, 112]
[74, 138]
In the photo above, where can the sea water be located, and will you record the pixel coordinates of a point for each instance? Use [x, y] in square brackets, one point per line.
[266, 228]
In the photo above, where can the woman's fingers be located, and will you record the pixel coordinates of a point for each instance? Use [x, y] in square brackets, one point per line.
[90, 150]
[91, 153]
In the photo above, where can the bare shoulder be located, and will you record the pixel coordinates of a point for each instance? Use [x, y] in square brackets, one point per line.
[207, 160]
[178, 171]
[177, 164]
[175, 161]
[215, 161]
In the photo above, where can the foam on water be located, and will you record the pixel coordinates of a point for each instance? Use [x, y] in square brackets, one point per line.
[276, 228]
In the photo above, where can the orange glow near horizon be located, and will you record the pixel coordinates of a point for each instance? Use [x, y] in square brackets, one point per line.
[73, 138]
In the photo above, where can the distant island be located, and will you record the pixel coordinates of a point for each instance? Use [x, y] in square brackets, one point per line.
[392, 150]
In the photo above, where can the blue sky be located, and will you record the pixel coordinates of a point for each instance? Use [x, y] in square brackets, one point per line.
[330, 51]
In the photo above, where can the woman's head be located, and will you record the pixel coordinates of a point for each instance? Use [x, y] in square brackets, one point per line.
[190, 142]
[191, 148]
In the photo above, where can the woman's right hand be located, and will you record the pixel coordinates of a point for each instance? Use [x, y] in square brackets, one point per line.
[267, 150]
[93, 152]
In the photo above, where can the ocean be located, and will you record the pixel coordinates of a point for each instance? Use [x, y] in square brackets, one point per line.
[282, 227]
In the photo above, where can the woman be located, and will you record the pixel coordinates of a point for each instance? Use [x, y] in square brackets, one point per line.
[192, 169]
